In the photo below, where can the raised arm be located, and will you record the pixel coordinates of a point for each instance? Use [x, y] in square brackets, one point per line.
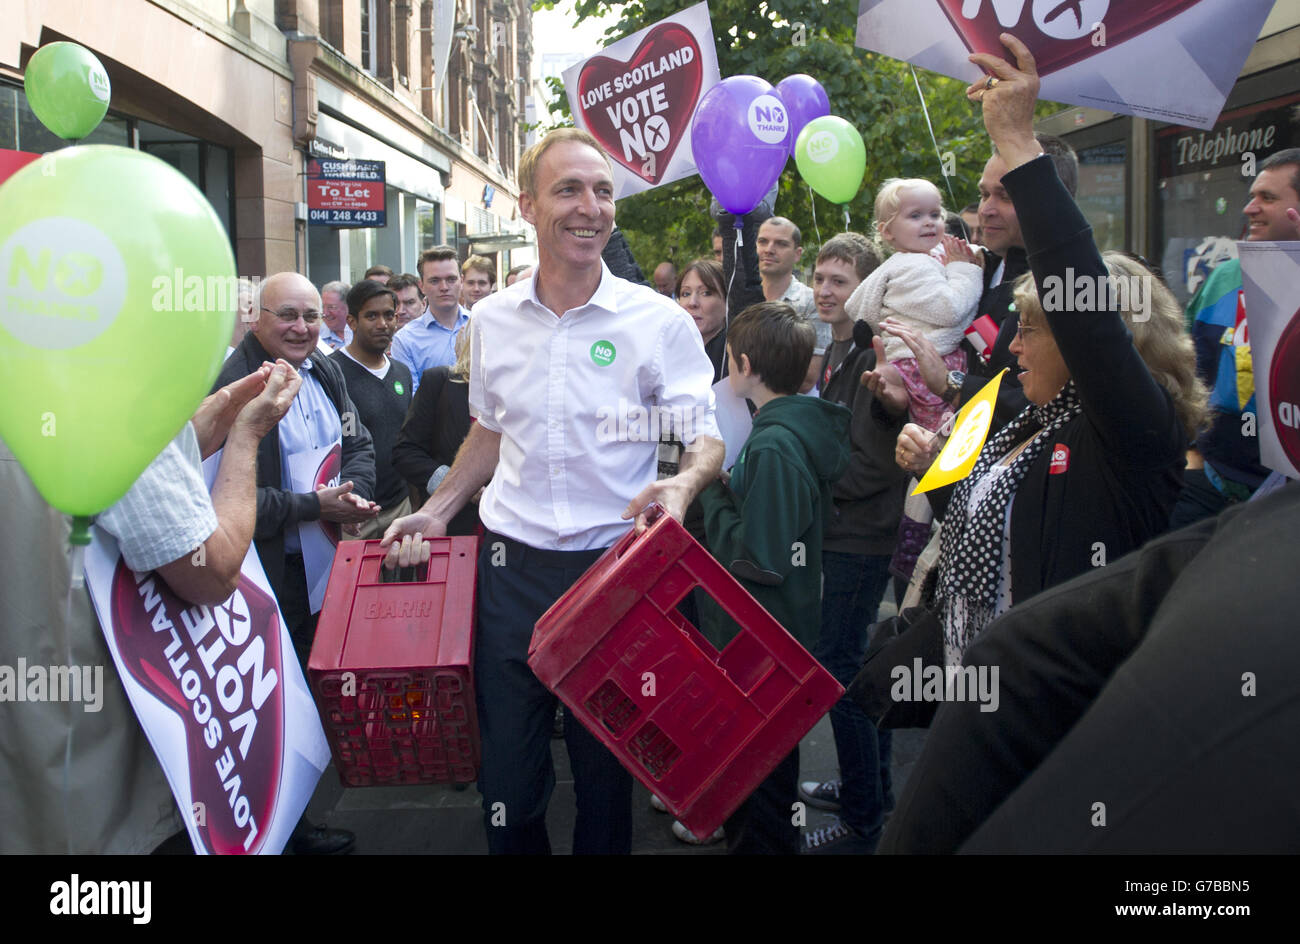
[1131, 412]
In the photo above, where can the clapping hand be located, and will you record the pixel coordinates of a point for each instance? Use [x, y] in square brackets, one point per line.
[885, 382]
[958, 250]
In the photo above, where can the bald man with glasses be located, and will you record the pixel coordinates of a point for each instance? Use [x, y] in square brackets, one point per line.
[322, 413]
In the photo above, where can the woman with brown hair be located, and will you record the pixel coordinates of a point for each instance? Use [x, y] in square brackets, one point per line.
[701, 292]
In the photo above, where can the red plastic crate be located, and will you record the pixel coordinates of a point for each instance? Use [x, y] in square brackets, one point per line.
[717, 723]
[410, 647]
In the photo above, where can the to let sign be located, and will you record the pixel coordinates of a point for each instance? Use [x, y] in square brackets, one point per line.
[345, 193]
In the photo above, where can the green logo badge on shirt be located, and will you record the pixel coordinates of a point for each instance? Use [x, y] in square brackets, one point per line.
[397, 386]
[603, 353]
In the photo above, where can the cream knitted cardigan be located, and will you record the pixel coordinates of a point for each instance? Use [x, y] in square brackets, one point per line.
[917, 289]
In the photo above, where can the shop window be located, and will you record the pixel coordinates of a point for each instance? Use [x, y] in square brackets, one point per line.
[1203, 184]
[21, 130]
[1101, 193]
[426, 225]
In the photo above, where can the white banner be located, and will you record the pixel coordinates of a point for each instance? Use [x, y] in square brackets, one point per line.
[319, 539]
[734, 421]
[221, 698]
[1270, 275]
[1171, 60]
[637, 98]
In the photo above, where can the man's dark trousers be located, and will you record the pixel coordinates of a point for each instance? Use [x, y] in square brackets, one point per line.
[516, 712]
[853, 586]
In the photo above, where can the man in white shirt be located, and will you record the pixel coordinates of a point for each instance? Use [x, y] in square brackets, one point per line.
[551, 357]
[334, 330]
[779, 245]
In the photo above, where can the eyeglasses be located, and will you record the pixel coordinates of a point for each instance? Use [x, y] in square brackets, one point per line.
[1022, 332]
[291, 315]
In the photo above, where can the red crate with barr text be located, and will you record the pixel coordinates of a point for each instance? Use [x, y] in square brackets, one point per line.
[700, 728]
[391, 668]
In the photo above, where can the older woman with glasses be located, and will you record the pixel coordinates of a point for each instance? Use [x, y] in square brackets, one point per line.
[1091, 469]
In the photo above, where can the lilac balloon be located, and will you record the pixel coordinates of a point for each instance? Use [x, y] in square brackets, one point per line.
[740, 138]
[805, 99]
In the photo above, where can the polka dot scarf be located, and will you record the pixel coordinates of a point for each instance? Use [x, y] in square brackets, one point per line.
[970, 559]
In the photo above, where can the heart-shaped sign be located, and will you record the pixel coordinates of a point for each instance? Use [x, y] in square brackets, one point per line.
[639, 110]
[1058, 32]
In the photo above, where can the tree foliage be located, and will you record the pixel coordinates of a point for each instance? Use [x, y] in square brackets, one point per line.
[875, 93]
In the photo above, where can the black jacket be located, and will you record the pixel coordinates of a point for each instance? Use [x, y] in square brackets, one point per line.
[436, 424]
[1126, 449]
[868, 498]
[618, 257]
[1126, 684]
[278, 508]
[997, 303]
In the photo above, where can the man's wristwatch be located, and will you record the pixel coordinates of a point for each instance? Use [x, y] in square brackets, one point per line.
[955, 380]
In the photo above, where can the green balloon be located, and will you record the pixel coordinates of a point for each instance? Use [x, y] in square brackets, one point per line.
[67, 88]
[831, 158]
[118, 299]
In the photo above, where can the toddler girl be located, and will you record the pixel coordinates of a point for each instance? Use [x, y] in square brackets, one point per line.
[931, 283]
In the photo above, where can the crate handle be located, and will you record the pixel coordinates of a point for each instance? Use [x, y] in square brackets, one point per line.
[415, 573]
[653, 512]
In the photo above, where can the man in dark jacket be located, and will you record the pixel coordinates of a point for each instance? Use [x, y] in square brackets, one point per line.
[322, 412]
[1004, 262]
[860, 534]
[1172, 731]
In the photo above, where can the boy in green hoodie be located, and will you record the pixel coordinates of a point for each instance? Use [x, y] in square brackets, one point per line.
[766, 528]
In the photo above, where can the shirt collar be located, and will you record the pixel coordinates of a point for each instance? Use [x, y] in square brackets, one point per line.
[428, 321]
[605, 297]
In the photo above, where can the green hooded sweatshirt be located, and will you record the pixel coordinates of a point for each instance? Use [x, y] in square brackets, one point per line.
[766, 529]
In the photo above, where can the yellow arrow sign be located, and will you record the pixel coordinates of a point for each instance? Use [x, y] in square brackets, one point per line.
[969, 430]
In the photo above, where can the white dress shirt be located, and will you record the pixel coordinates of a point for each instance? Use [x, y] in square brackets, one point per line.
[559, 390]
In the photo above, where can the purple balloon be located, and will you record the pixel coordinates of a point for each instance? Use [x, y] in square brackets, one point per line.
[740, 137]
[805, 99]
